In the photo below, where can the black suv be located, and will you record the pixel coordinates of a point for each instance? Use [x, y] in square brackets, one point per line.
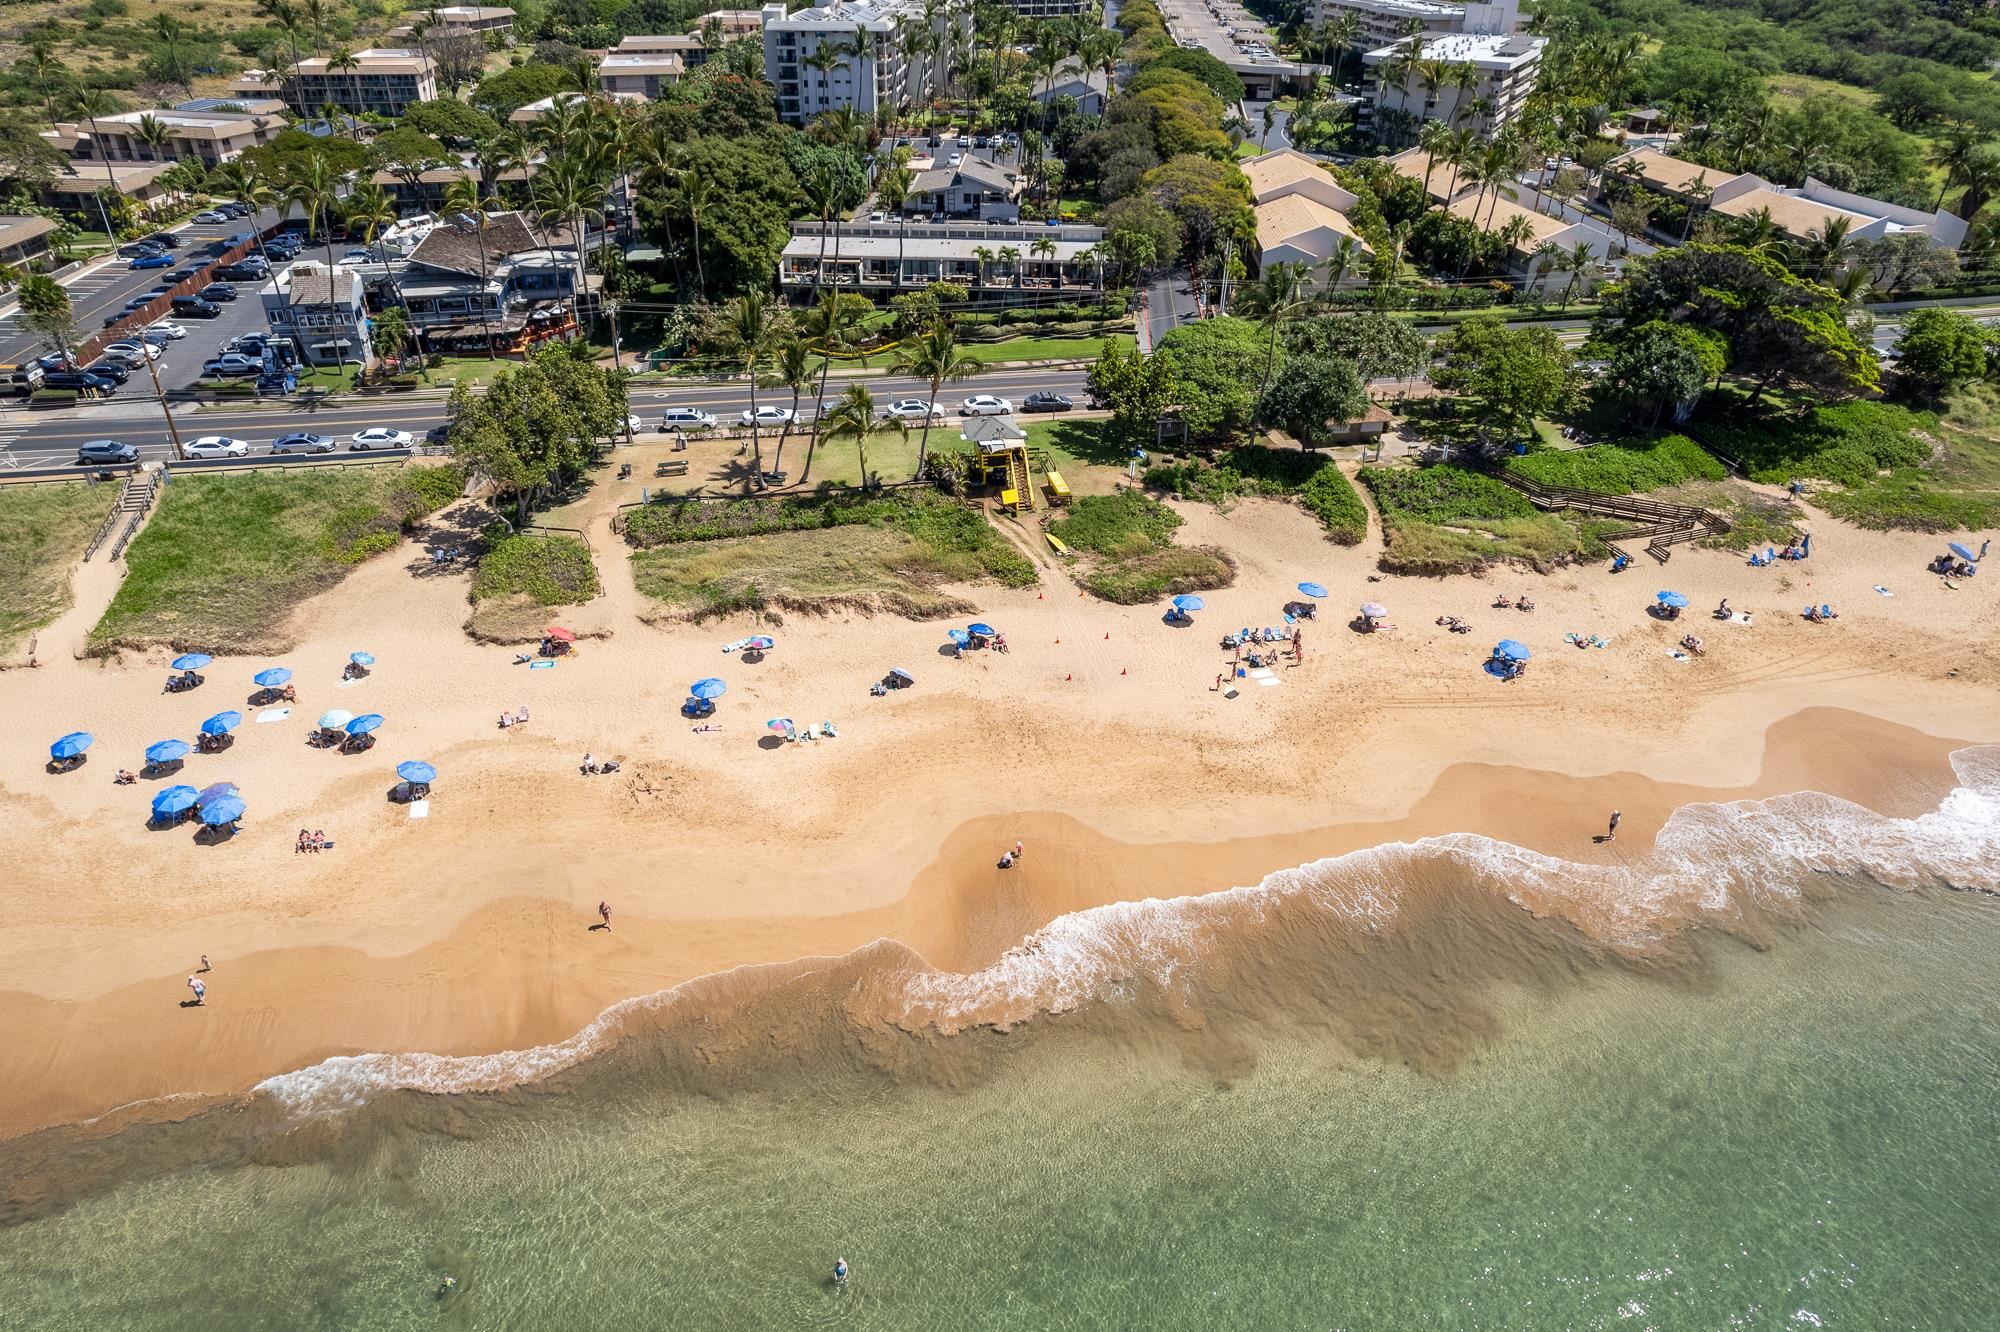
[194, 307]
[218, 291]
[79, 380]
[166, 240]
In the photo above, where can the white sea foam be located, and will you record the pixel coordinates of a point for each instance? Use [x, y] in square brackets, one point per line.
[1708, 857]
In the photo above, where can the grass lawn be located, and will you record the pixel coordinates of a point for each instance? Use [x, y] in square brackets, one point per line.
[227, 558]
[43, 530]
[893, 553]
[1127, 546]
[1789, 91]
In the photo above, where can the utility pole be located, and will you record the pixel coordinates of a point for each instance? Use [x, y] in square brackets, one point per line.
[618, 361]
[173, 431]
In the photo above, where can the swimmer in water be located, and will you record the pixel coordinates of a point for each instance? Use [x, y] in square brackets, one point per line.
[840, 1272]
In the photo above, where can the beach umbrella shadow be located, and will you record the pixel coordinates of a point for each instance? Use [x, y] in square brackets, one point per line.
[214, 834]
[155, 770]
[770, 742]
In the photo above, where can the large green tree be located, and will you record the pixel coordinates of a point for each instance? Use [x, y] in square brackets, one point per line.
[753, 198]
[1314, 390]
[1138, 389]
[1517, 374]
[1380, 345]
[1780, 329]
[1939, 350]
[534, 429]
[1219, 361]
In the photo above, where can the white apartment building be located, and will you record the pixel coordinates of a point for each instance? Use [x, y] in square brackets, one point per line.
[209, 137]
[385, 80]
[876, 70]
[1386, 22]
[645, 74]
[1505, 67]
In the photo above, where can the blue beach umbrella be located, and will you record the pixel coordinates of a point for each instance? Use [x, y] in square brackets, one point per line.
[761, 643]
[334, 718]
[222, 723]
[221, 810]
[708, 689]
[216, 792]
[192, 661]
[272, 677]
[71, 745]
[1188, 602]
[174, 800]
[165, 751]
[361, 658]
[1963, 552]
[365, 723]
[1674, 599]
[1313, 589]
[958, 636]
[423, 774]
[1513, 649]
[982, 629]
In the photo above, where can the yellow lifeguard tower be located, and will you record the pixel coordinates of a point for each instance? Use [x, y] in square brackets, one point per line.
[1000, 458]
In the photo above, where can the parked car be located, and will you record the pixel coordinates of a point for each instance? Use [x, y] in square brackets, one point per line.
[227, 273]
[138, 353]
[194, 307]
[140, 250]
[633, 425]
[438, 434]
[304, 441]
[218, 291]
[215, 446]
[162, 260]
[232, 365]
[380, 437]
[99, 451]
[239, 238]
[686, 418]
[913, 409]
[1044, 401]
[211, 217]
[233, 209]
[170, 328]
[358, 255]
[166, 240]
[956, 158]
[985, 404]
[117, 317]
[769, 416]
[80, 381]
[115, 371]
[155, 338]
[250, 344]
[183, 274]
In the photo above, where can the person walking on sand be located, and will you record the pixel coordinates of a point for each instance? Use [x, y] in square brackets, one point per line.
[1611, 834]
[1019, 851]
[604, 913]
[200, 991]
[204, 964]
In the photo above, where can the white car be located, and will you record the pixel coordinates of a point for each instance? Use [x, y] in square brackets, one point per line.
[216, 446]
[985, 404]
[913, 409]
[686, 418]
[168, 327]
[380, 437]
[633, 425]
[956, 159]
[769, 416]
[138, 353]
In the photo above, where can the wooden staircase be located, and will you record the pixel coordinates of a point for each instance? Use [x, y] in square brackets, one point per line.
[134, 503]
[1020, 478]
[1663, 525]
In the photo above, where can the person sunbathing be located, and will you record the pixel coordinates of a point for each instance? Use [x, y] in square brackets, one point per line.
[1722, 611]
[289, 694]
[123, 777]
[1692, 644]
[1522, 603]
[1502, 603]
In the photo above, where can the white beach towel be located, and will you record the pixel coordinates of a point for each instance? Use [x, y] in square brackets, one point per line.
[273, 715]
[1883, 591]
[345, 683]
[420, 809]
[1739, 617]
[1678, 655]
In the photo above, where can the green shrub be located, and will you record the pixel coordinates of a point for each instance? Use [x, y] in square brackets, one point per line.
[432, 488]
[1443, 494]
[1123, 523]
[1330, 497]
[1847, 442]
[1622, 469]
[1906, 500]
[551, 570]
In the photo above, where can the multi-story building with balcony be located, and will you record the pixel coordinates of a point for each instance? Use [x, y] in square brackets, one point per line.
[994, 262]
[208, 137]
[870, 63]
[385, 80]
[1504, 68]
[645, 73]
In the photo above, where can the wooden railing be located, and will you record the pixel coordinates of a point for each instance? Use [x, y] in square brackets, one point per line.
[1663, 524]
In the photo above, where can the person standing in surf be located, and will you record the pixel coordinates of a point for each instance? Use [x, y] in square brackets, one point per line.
[1611, 834]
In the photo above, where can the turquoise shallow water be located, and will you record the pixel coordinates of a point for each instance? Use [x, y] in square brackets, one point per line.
[1798, 1137]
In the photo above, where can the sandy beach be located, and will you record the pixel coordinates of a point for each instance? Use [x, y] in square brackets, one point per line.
[1098, 740]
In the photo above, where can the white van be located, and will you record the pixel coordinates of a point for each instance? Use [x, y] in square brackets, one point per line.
[22, 380]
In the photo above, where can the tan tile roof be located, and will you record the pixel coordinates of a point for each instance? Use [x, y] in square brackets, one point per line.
[1476, 208]
[20, 230]
[1287, 166]
[1795, 216]
[1294, 215]
[1414, 162]
[1670, 173]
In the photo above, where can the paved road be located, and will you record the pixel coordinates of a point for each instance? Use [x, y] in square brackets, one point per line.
[47, 442]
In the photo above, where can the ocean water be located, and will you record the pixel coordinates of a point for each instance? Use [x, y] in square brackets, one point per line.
[1435, 1112]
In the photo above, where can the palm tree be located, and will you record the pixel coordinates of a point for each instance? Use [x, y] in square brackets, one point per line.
[1698, 192]
[1337, 36]
[171, 31]
[315, 11]
[853, 417]
[892, 191]
[286, 16]
[152, 132]
[1981, 179]
[823, 325]
[1435, 139]
[791, 368]
[1268, 120]
[343, 59]
[1954, 153]
[695, 193]
[462, 198]
[1579, 259]
[1461, 153]
[751, 329]
[90, 104]
[933, 356]
[567, 190]
[313, 192]
[48, 73]
[1044, 249]
[1270, 300]
[1341, 262]
[982, 255]
[1010, 256]
[371, 209]
[1827, 246]
[240, 178]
